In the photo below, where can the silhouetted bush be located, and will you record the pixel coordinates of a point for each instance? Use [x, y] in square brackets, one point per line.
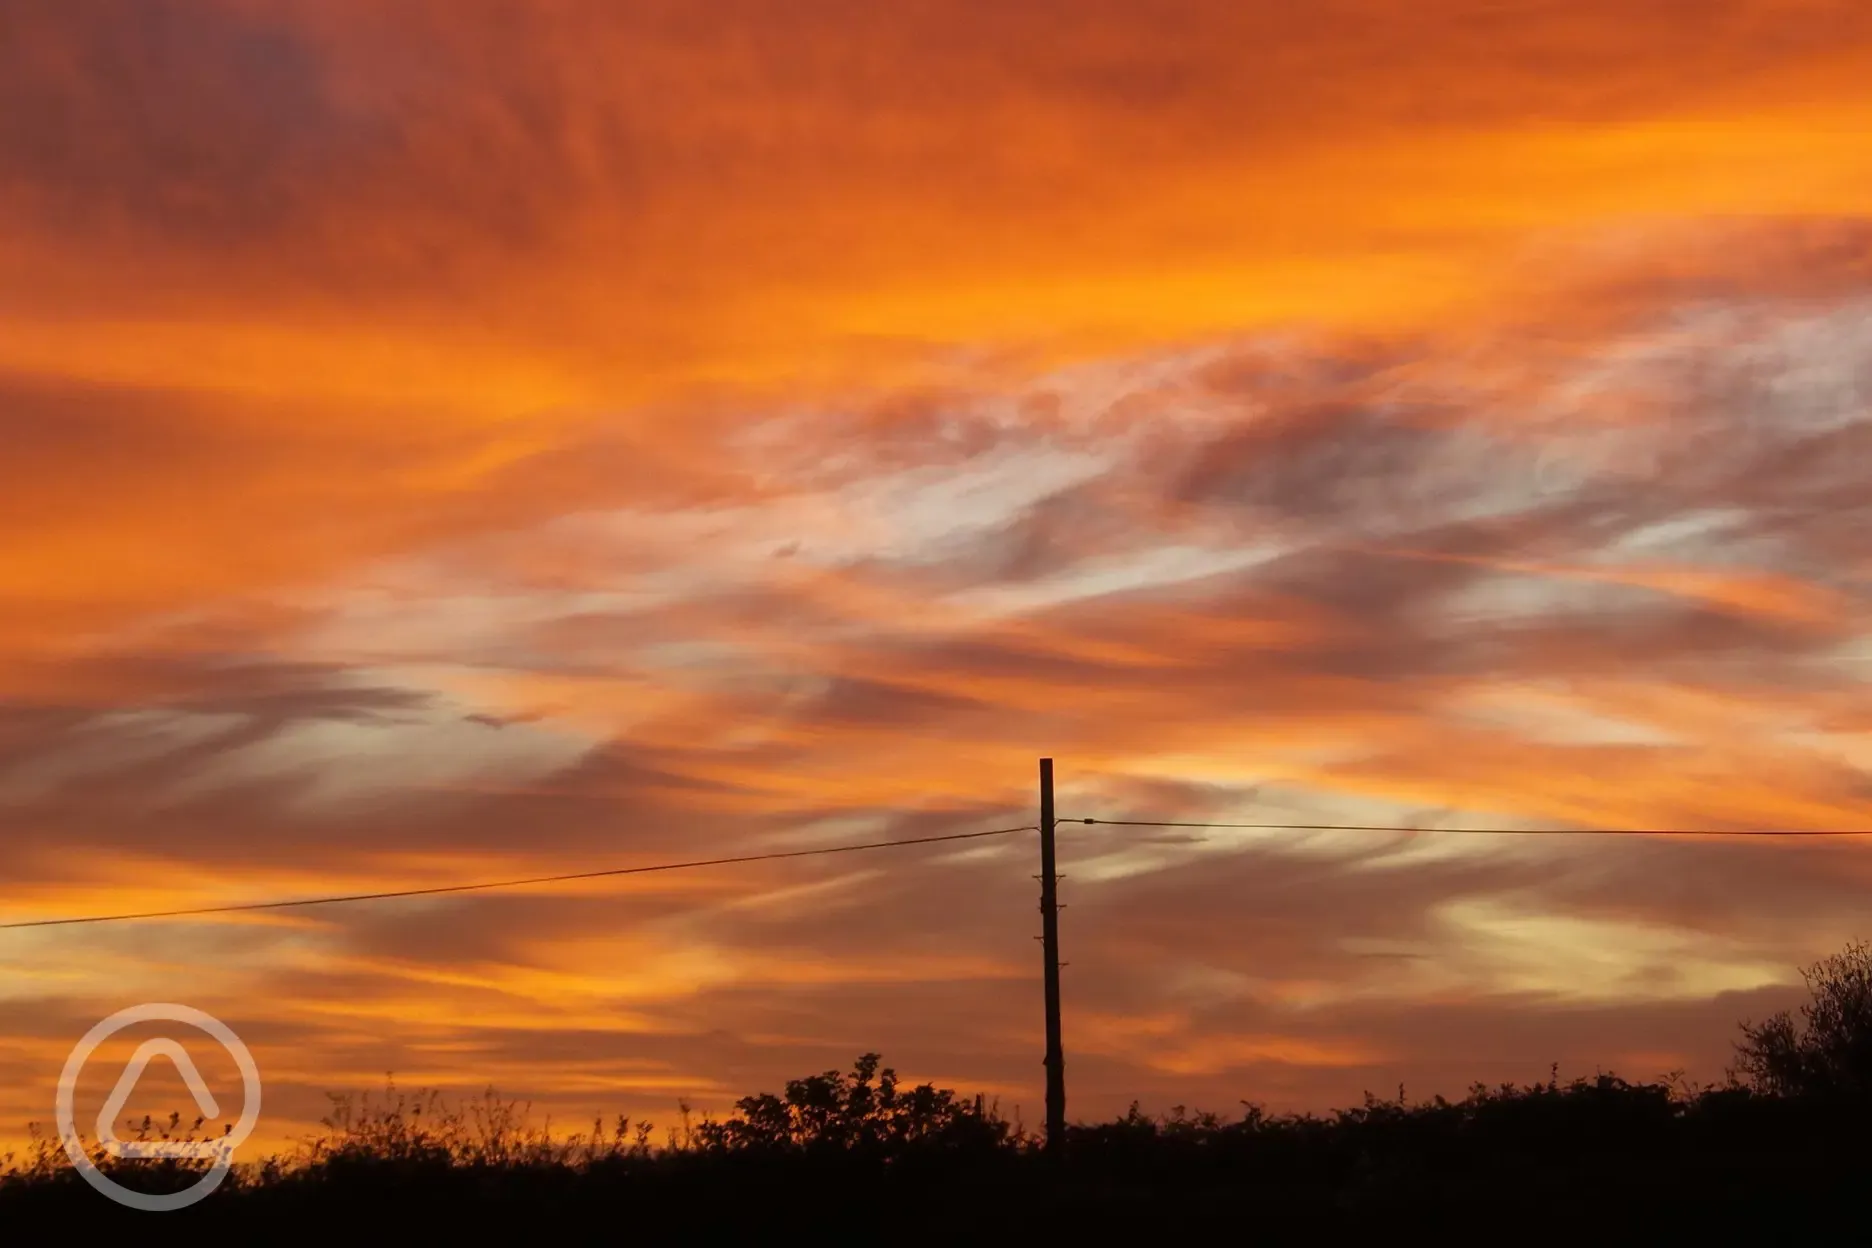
[856, 1156]
[1829, 1052]
[863, 1112]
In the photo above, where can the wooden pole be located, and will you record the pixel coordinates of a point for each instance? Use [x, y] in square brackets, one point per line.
[1049, 943]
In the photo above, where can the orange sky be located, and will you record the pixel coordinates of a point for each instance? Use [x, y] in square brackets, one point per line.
[453, 440]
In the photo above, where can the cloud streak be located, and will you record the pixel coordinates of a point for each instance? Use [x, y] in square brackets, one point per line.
[447, 443]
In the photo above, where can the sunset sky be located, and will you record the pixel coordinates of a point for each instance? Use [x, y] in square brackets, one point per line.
[448, 440]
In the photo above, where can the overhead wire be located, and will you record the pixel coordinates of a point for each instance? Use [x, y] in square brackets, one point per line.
[566, 877]
[389, 894]
[1383, 827]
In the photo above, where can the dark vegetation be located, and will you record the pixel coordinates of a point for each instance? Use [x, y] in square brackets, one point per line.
[1783, 1146]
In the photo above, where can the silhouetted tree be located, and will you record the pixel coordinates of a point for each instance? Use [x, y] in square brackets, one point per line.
[1828, 1051]
[866, 1110]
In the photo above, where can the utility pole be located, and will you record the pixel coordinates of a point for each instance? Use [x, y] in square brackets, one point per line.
[1049, 944]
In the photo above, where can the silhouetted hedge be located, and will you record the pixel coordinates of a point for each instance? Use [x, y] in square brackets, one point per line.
[854, 1157]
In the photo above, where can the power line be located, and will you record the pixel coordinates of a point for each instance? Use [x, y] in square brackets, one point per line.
[489, 885]
[539, 879]
[1382, 827]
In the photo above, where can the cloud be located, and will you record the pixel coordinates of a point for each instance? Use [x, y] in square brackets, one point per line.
[442, 445]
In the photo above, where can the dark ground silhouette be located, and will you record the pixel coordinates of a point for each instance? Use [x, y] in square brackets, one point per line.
[1783, 1148]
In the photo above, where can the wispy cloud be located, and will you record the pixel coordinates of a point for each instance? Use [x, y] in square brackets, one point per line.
[441, 444]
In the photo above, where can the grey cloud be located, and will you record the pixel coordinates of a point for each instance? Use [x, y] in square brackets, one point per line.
[192, 119]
